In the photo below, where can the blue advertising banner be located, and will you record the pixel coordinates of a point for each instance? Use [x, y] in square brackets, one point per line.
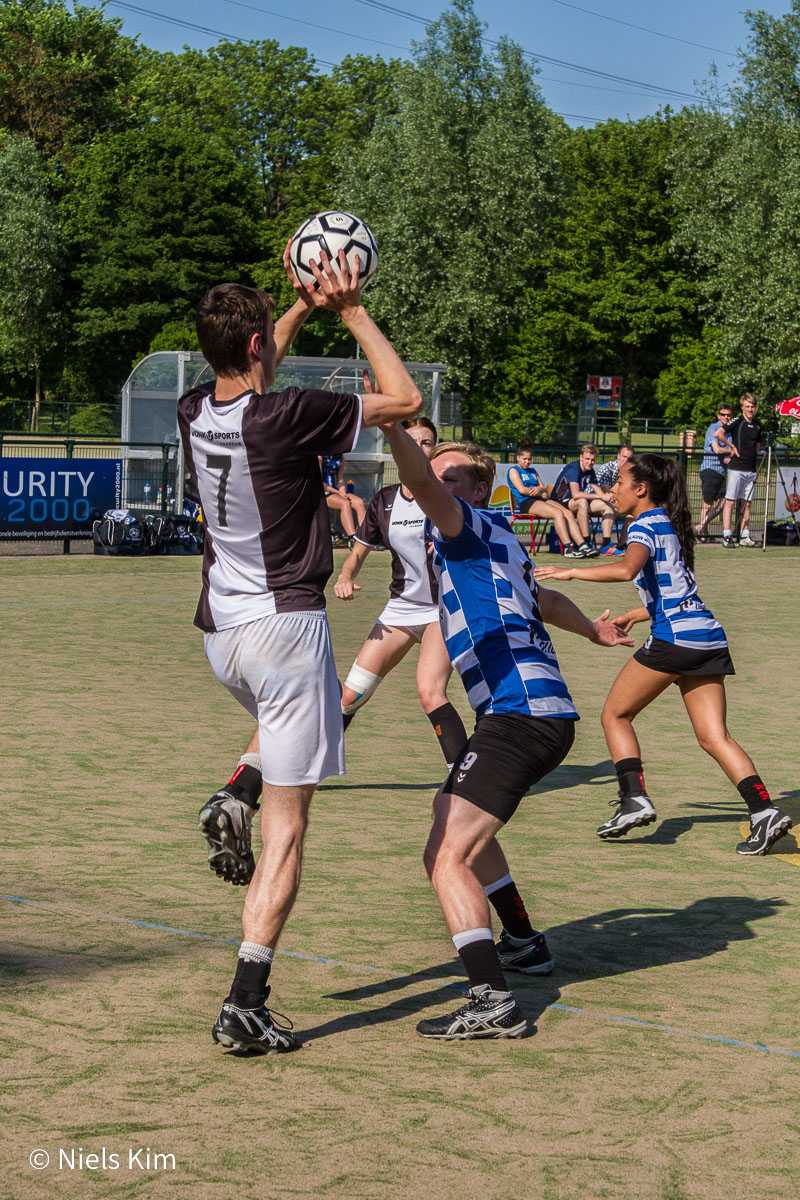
[46, 498]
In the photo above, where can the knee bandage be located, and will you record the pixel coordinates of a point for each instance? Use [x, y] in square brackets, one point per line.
[363, 683]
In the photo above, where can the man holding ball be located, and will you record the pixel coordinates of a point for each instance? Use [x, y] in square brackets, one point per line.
[253, 455]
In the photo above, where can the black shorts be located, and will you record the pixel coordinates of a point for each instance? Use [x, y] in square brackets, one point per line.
[681, 660]
[507, 754]
[713, 485]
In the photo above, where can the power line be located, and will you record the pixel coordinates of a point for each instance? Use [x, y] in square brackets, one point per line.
[644, 28]
[555, 62]
[313, 25]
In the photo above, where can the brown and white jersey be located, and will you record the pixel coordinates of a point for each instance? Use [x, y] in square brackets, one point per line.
[254, 460]
[399, 523]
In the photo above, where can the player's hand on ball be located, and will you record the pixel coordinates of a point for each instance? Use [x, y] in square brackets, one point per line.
[336, 292]
[608, 633]
[552, 573]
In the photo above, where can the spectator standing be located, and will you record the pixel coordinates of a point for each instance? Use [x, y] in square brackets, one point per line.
[717, 450]
[745, 434]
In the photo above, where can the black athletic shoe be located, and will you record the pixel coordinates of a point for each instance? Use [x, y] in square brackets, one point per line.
[588, 550]
[225, 822]
[531, 957]
[765, 830]
[630, 812]
[489, 1014]
[729, 543]
[252, 1029]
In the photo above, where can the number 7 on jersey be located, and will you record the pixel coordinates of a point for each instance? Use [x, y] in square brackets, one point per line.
[221, 462]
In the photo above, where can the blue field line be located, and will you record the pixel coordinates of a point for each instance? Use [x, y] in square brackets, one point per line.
[632, 1022]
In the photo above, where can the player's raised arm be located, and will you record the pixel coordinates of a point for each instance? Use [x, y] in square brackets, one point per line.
[398, 396]
[415, 471]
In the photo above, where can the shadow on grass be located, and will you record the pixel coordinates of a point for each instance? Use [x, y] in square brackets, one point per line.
[595, 947]
[570, 775]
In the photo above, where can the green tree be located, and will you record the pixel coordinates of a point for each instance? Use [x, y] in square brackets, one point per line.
[456, 187]
[65, 74]
[157, 215]
[695, 381]
[285, 125]
[31, 265]
[738, 172]
[611, 294]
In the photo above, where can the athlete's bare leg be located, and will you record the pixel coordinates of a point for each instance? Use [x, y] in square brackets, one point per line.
[459, 837]
[704, 697]
[634, 688]
[385, 647]
[269, 900]
[433, 669]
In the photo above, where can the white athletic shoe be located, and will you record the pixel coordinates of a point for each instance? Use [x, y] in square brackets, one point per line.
[631, 811]
[747, 541]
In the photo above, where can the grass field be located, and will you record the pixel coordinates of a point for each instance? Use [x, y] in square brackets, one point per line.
[666, 1059]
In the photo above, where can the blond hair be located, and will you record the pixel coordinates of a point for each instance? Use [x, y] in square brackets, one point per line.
[482, 465]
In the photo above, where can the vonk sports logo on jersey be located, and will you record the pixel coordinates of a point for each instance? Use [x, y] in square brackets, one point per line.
[212, 435]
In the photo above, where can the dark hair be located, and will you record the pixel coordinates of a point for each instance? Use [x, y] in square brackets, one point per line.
[227, 317]
[421, 423]
[525, 444]
[666, 488]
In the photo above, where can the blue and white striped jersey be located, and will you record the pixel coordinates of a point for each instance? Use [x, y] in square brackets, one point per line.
[492, 626]
[668, 589]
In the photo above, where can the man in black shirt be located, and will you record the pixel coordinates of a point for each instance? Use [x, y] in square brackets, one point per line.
[745, 433]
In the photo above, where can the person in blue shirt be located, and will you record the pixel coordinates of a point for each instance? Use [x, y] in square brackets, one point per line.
[493, 619]
[350, 507]
[717, 449]
[570, 489]
[687, 645]
[530, 496]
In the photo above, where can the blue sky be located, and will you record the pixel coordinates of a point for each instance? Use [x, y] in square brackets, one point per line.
[671, 48]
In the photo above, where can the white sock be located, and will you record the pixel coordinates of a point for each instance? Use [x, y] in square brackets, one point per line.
[745, 533]
[726, 533]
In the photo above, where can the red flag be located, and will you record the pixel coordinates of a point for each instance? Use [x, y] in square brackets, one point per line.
[789, 408]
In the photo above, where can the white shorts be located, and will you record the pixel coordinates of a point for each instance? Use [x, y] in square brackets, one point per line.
[281, 669]
[740, 485]
[414, 617]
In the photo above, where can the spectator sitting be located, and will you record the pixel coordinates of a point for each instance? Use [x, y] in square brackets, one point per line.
[350, 507]
[570, 490]
[530, 496]
[607, 476]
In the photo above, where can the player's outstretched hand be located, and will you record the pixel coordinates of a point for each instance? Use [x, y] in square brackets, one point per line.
[626, 621]
[607, 633]
[344, 588]
[335, 291]
[552, 573]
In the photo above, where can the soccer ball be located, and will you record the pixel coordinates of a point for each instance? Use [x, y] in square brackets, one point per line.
[332, 232]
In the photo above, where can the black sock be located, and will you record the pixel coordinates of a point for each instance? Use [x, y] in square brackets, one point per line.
[606, 542]
[754, 794]
[482, 965]
[346, 719]
[249, 986]
[510, 908]
[246, 784]
[630, 776]
[449, 729]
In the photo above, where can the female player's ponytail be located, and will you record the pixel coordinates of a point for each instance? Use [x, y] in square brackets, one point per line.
[665, 485]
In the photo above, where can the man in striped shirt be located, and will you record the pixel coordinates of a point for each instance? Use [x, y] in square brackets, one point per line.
[253, 455]
[493, 618]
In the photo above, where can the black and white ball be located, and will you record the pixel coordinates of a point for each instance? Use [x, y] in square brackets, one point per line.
[332, 232]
